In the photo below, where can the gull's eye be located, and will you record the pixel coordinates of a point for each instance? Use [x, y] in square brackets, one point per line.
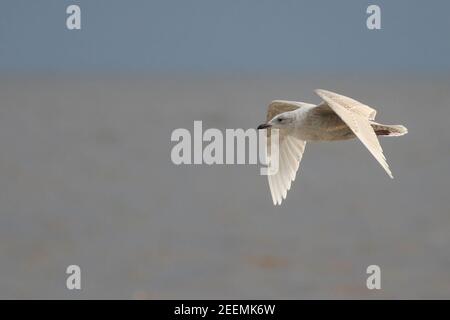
[280, 119]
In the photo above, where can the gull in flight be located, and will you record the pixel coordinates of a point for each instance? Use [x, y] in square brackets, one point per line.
[336, 118]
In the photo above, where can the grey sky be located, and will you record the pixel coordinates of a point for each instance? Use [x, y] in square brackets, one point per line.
[216, 36]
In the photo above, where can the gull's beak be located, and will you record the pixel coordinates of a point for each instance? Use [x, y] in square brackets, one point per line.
[264, 126]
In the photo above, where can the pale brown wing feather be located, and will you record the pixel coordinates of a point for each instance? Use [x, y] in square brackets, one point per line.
[290, 152]
[349, 104]
[357, 116]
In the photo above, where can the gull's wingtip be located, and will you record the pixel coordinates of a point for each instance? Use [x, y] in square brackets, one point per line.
[389, 172]
[276, 202]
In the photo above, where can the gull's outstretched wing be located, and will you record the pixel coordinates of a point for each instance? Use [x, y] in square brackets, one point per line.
[348, 103]
[279, 106]
[290, 151]
[357, 116]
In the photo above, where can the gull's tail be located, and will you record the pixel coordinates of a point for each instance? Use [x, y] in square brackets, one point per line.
[389, 130]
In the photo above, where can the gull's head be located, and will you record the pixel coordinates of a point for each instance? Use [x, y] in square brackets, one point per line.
[280, 121]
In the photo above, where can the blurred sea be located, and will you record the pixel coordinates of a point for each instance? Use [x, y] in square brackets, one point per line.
[86, 179]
